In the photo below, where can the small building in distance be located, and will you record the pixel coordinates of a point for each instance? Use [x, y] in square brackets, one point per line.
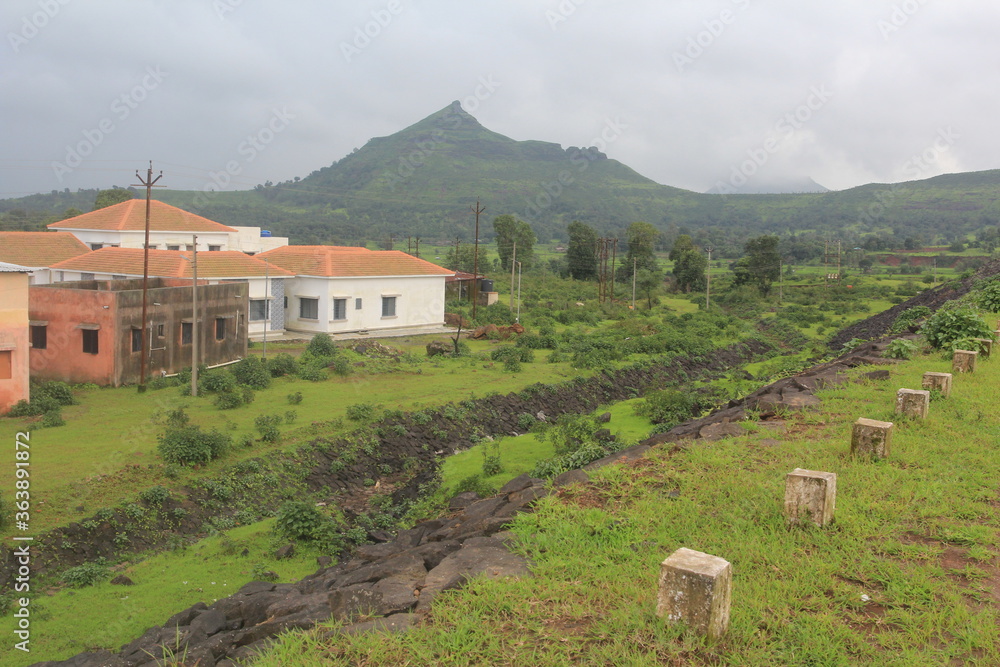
[340, 289]
[14, 350]
[91, 330]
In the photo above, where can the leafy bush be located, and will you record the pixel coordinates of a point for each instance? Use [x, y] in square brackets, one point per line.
[251, 372]
[491, 459]
[909, 318]
[949, 325]
[312, 373]
[321, 345]
[85, 575]
[299, 520]
[987, 296]
[229, 399]
[24, 409]
[340, 366]
[267, 426]
[218, 380]
[53, 418]
[512, 365]
[901, 348]
[60, 392]
[477, 484]
[362, 412]
[189, 445]
[295, 398]
[282, 364]
[525, 421]
[669, 406]
[156, 495]
[523, 355]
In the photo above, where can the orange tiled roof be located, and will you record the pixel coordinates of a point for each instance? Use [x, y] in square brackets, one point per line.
[131, 216]
[348, 262]
[173, 264]
[37, 249]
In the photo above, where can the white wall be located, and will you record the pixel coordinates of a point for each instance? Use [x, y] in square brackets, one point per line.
[419, 302]
[134, 239]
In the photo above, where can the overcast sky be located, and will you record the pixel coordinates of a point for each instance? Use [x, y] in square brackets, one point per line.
[693, 94]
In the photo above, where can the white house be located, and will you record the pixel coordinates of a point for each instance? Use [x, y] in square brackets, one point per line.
[265, 281]
[340, 289]
[170, 228]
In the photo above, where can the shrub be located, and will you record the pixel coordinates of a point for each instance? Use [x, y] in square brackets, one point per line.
[909, 318]
[512, 365]
[60, 392]
[901, 348]
[251, 372]
[669, 406]
[298, 520]
[477, 484]
[987, 296]
[321, 345]
[24, 409]
[85, 575]
[522, 354]
[362, 412]
[282, 364]
[218, 380]
[267, 426]
[53, 418]
[312, 373]
[156, 495]
[295, 398]
[525, 421]
[491, 459]
[229, 399]
[189, 445]
[340, 366]
[949, 325]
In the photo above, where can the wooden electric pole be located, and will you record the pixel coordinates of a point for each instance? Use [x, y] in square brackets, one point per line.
[475, 260]
[148, 183]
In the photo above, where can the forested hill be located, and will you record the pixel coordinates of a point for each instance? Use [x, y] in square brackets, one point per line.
[422, 181]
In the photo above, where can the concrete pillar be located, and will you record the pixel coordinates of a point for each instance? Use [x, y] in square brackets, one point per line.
[964, 361]
[987, 344]
[871, 438]
[938, 381]
[810, 496]
[913, 403]
[695, 589]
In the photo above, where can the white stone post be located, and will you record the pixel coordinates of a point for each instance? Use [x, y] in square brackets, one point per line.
[695, 589]
[913, 403]
[810, 496]
[938, 381]
[871, 438]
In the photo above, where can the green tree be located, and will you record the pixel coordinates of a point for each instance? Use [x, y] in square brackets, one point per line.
[582, 252]
[689, 264]
[647, 281]
[642, 240]
[760, 266]
[509, 230]
[111, 197]
[461, 257]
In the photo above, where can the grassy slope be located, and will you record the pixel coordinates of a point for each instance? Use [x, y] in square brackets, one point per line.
[908, 575]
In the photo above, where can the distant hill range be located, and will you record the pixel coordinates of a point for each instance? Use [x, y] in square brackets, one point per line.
[422, 181]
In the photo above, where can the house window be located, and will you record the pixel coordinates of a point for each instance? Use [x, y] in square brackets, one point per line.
[86, 276]
[151, 246]
[6, 371]
[173, 247]
[340, 309]
[60, 276]
[117, 276]
[89, 341]
[96, 246]
[186, 330]
[388, 306]
[357, 303]
[258, 310]
[220, 328]
[214, 248]
[39, 337]
[136, 340]
[159, 331]
[285, 302]
[308, 308]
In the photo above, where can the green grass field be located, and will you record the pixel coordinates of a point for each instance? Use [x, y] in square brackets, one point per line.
[907, 575]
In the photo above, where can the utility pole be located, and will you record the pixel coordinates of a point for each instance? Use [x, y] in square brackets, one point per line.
[633, 282]
[708, 278]
[416, 242]
[781, 281]
[513, 260]
[194, 319]
[475, 260]
[148, 183]
[267, 305]
[614, 256]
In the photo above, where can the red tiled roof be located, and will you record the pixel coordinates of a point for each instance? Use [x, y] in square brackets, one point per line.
[173, 264]
[37, 249]
[348, 262]
[131, 216]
